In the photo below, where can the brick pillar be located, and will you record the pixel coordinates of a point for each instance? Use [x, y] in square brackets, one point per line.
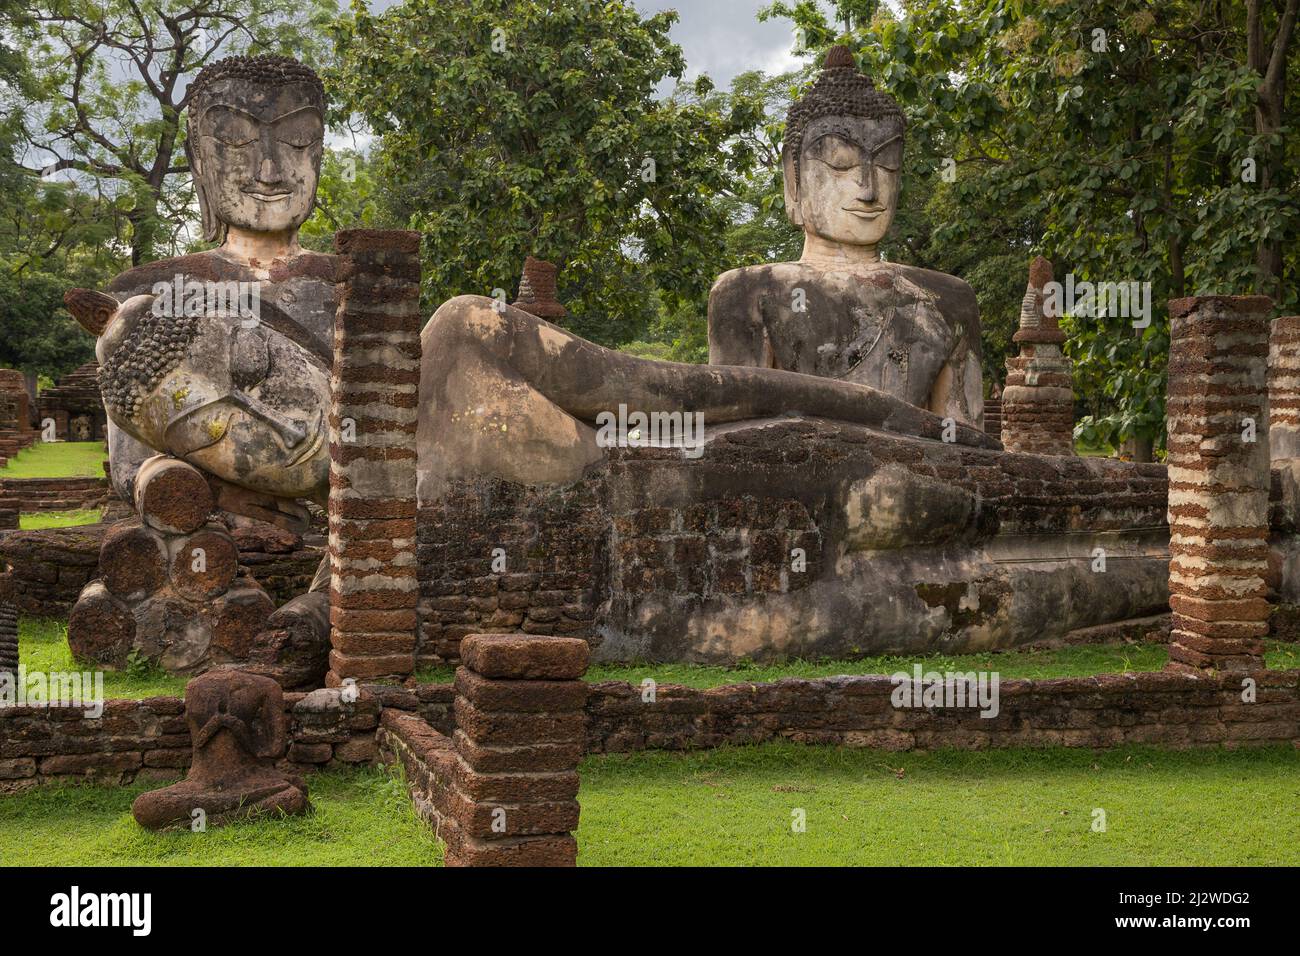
[1284, 388]
[8, 638]
[520, 730]
[373, 587]
[1038, 401]
[1218, 482]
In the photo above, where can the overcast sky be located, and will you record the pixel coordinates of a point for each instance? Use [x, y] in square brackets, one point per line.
[719, 37]
[723, 37]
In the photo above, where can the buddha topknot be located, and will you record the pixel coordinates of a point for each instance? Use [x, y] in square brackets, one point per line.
[258, 69]
[840, 90]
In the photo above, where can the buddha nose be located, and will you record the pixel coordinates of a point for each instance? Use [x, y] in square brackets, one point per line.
[269, 171]
[867, 183]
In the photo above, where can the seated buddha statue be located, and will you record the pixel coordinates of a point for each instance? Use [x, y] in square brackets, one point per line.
[256, 132]
[840, 311]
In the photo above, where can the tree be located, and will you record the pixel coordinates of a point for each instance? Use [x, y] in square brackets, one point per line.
[533, 127]
[113, 83]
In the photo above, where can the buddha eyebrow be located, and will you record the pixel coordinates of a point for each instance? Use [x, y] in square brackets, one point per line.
[897, 137]
[257, 119]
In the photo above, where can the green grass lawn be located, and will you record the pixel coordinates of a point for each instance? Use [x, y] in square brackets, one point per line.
[736, 807]
[43, 646]
[64, 459]
[1081, 660]
[38, 520]
[362, 817]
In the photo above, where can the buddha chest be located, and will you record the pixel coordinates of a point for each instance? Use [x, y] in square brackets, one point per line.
[876, 328]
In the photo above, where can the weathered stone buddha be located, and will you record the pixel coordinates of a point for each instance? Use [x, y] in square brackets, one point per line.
[843, 502]
[238, 728]
[256, 131]
[248, 405]
[840, 311]
[222, 358]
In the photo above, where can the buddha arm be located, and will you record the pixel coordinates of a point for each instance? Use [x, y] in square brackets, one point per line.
[737, 334]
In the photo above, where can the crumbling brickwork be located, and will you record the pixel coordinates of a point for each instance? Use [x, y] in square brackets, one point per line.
[372, 504]
[503, 790]
[1218, 481]
[1038, 401]
[1284, 387]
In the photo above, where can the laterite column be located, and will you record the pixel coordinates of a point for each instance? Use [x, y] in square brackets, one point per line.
[520, 730]
[373, 586]
[1218, 482]
[1284, 388]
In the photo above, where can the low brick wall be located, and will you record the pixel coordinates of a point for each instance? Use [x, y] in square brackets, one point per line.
[53, 494]
[1162, 709]
[149, 739]
[502, 789]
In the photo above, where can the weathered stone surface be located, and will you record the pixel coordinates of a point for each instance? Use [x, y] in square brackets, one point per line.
[133, 561]
[172, 496]
[237, 724]
[519, 657]
[101, 628]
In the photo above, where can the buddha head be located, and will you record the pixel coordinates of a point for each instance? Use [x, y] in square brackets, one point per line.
[256, 131]
[239, 400]
[842, 155]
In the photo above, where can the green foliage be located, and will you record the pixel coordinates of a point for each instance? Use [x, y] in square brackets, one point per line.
[348, 197]
[39, 334]
[531, 127]
[1125, 162]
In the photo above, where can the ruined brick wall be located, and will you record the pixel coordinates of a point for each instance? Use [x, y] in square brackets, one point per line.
[75, 405]
[1162, 709]
[501, 791]
[148, 739]
[53, 494]
[549, 544]
[1284, 387]
[1219, 481]
[649, 525]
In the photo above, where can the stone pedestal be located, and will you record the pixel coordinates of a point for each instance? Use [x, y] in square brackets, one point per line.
[512, 799]
[169, 585]
[372, 505]
[1038, 401]
[1218, 482]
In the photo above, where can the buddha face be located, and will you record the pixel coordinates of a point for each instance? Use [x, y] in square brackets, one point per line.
[246, 404]
[256, 154]
[847, 188]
